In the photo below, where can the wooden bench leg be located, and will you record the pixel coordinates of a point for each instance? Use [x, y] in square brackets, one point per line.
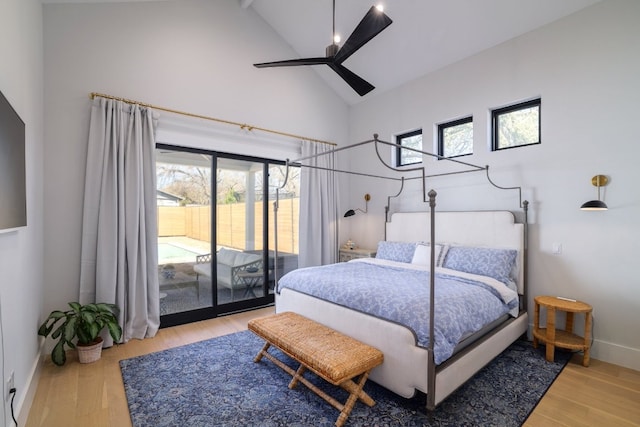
[262, 352]
[297, 376]
[352, 387]
[353, 397]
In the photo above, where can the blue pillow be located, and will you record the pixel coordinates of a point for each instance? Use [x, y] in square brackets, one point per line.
[396, 251]
[496, 263]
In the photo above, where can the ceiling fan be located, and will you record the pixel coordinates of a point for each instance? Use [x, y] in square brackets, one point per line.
[370, 26]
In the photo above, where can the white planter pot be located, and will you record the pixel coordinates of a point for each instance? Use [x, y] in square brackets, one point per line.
[90, 353]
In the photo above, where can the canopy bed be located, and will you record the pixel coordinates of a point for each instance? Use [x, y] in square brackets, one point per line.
[457, 276]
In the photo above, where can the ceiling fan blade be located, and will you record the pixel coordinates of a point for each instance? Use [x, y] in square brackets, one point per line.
[356, 82]
[294, 62]
[371, 25]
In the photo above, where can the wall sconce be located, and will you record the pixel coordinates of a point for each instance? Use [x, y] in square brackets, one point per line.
[596, 205]
[352, 212]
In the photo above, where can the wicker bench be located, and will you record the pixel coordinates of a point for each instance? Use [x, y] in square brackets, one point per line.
[329, 354]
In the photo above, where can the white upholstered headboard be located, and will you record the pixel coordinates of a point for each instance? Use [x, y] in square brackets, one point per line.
[496, 229]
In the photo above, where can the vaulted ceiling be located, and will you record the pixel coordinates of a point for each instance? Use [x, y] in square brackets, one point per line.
[425, 35]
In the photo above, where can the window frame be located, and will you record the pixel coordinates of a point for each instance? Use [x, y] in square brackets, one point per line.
[496, 113]
[398, 147]
[440, 129]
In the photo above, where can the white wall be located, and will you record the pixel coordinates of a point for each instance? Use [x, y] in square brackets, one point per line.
[585, 67]
[194, 56]
[21, 282]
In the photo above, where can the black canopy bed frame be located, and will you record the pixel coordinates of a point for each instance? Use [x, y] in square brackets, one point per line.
[407, 367]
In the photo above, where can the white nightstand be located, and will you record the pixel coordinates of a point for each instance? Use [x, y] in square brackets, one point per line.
[349, 254]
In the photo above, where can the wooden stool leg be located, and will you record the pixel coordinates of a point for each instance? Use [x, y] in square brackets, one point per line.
[587, 335]
[536, 323]
[569, 322]
[551, 333]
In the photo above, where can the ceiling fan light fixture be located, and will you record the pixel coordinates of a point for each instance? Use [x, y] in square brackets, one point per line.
[336, 38]
[380, 7]
[370, 26]
[332, 49]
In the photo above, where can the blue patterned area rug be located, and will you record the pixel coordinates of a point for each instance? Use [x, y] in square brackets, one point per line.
[216, 383]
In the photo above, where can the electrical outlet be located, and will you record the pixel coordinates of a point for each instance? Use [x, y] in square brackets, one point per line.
[10, 385]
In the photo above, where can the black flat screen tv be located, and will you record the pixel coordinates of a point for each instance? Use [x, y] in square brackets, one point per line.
[13, 192]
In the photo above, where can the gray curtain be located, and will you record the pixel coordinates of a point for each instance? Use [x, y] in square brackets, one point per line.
[119, 256]
[318, 207]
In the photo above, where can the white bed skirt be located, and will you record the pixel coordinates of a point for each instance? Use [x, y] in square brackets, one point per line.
[405, 365]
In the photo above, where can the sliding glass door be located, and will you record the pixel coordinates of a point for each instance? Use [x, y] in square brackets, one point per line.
[206, 270]
[184, 230]
[287, 184]
[240, 234]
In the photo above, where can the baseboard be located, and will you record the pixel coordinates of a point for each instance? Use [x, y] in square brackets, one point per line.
[617, 354]
[24, 405]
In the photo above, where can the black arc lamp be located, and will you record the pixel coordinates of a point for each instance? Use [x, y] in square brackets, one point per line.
[352, 212]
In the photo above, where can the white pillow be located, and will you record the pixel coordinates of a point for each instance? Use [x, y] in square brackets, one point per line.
[422, 254]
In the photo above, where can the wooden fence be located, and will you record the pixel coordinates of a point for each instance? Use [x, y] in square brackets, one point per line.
[195, 222]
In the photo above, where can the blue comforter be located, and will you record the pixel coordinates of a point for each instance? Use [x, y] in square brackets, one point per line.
[388, 290]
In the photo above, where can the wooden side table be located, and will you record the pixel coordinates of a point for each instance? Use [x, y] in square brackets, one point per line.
[561, 338]
[349, 254]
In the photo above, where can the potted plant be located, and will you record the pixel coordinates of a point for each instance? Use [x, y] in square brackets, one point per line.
[84, 322]
[168, 271]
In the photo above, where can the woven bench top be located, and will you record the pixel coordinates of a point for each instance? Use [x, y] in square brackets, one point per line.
[330, 354]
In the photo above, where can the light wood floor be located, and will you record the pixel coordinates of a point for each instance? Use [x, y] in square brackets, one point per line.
[93, 395]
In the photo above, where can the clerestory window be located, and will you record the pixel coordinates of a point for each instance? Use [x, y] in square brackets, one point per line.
[455, 138]
[516, 125]
[411, 140]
